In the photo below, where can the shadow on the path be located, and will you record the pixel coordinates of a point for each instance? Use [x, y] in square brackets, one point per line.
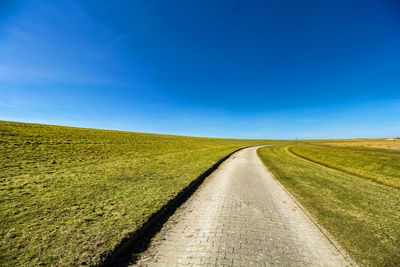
[131, 256]
[129, 249]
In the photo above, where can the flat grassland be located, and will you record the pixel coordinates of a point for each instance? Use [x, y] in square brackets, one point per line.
[68, 196]
[386, 143]
[351, 188]
[379, 165]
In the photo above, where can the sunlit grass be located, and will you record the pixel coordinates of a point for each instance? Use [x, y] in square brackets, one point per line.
[364, 216]
[377, 164]
[69, 195]
[385, 143]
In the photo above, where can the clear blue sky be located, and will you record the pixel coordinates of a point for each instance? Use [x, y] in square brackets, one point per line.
[241, 69]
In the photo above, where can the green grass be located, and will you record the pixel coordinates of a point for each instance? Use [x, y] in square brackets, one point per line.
[362, 215]
[68, 196]
[379, 165]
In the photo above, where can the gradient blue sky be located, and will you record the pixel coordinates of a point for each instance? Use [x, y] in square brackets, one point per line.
[241, 69]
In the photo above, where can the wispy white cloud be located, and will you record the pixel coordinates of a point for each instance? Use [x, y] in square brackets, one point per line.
[7, 105]
[41, 52]
[21, 75]
[307, 120]
[102, 51]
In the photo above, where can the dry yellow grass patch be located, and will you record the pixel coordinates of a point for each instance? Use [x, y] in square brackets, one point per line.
[388, 143]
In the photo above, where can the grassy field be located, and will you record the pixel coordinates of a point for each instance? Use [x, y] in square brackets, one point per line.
[377, 164]
[350, 188]
[69, 195]
[387, 143]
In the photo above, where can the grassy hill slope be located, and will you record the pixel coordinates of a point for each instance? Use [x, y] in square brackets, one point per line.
[69, 195]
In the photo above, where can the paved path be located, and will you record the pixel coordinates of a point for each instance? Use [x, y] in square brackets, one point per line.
[240, 216]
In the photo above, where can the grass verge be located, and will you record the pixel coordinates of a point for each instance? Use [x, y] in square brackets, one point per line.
[68, 196]
[379, 165]
[363, 216]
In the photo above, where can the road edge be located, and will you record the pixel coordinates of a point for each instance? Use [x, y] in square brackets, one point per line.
[118, 255]
[322, 229]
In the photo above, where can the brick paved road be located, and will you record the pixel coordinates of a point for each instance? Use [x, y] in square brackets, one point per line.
[240, 216]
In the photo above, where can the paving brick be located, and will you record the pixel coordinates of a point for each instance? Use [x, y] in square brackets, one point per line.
[240, 216]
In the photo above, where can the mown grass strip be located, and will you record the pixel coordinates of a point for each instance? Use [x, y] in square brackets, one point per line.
[379, 165]
[69, 196]
[363, 216]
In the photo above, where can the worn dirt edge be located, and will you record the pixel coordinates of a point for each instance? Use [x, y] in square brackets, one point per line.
[320, 227]
[123, 248]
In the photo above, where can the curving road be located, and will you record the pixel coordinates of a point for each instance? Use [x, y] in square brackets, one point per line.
[240, 216]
